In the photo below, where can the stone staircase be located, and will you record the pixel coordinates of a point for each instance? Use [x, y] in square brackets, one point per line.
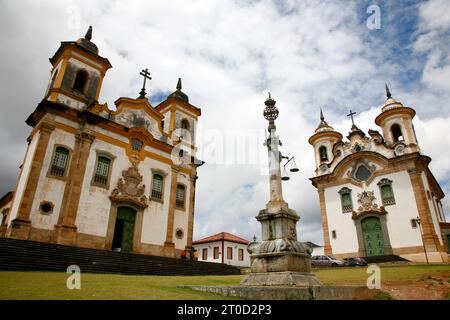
[385, 258]
[38, 256]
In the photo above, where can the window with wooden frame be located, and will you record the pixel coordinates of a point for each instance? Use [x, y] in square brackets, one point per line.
[216, 253]
[229, 253]
[180, 196]
[205, 254]
[346, 199]
[60, 162]
[387, 194]
[241, 254]
[157, 187]
[101, 176]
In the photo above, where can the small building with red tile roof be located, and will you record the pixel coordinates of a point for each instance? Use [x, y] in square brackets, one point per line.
[225, 248]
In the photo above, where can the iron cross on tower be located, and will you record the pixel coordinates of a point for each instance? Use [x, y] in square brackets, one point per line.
[351, 114]
[146, 76]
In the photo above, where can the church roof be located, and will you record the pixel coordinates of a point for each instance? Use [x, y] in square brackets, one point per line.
[323, 125]
[390, 103]
[222, 236]
[178, 93]
[84, 44]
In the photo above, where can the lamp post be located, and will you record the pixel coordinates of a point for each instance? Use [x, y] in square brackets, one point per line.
[418, 221]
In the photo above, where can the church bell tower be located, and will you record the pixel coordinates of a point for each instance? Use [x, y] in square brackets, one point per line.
[77, 74]
[323, 141]
[396, 122]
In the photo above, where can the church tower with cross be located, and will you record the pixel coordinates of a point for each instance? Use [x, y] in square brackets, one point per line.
[378, 196]
[120, 179]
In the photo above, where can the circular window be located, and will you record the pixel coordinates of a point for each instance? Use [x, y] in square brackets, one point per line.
[179, 233]
[46, 207]
[362, 173]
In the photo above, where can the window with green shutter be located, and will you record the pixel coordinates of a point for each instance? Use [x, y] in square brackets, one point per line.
[102, 171]
[59, 162]
[181, 190]
[157, 186]
[346, 199]
[387, 194]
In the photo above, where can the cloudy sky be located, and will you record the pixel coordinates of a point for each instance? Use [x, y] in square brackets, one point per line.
[309, 54]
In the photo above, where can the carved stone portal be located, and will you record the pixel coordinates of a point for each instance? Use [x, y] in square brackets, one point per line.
[129, 188]
[366, 200]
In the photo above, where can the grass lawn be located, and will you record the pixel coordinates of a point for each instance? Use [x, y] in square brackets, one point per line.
[52, 285]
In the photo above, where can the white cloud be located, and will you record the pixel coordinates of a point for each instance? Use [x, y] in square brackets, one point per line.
[310, 54]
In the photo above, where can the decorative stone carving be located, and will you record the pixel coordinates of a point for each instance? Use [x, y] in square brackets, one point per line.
[399, 149]
[367, 205]
[278, 246]
[129, 188]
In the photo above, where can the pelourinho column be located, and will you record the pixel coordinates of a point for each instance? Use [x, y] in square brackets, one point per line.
[279, 259]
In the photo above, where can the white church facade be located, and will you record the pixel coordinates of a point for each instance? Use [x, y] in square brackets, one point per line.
[377, 194]
[118, 179]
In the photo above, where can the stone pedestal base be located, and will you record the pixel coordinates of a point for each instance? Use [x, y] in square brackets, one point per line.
[280, 262]
[287, 278]
[169, 249]
[19, 229]
[66, 235]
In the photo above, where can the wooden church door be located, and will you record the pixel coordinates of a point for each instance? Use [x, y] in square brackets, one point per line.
[373, 236]
[124, 229]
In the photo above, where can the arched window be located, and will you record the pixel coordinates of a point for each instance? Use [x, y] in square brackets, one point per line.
[346, 199]
[101, 176]
[157, 186]
[185, 124]
[397, 134]
[54, 78]
[59, 163]
[323, 153]
[3, 216]
[180, 196]
[387, 194]
[80, 80]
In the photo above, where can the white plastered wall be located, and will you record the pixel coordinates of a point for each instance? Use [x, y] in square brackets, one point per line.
[50, 189]
[26, 166]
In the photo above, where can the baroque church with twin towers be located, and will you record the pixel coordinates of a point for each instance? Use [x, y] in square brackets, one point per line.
[124, 179]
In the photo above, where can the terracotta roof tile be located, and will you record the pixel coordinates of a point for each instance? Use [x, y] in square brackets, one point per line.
[222, 236]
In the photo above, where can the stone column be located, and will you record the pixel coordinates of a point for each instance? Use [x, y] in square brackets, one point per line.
[65, 230]
[429, 235]
[21, 225]
[171, 213]
[326, 232]
[276, 190]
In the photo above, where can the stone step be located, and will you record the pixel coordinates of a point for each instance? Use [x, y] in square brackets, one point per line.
[32, 255]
